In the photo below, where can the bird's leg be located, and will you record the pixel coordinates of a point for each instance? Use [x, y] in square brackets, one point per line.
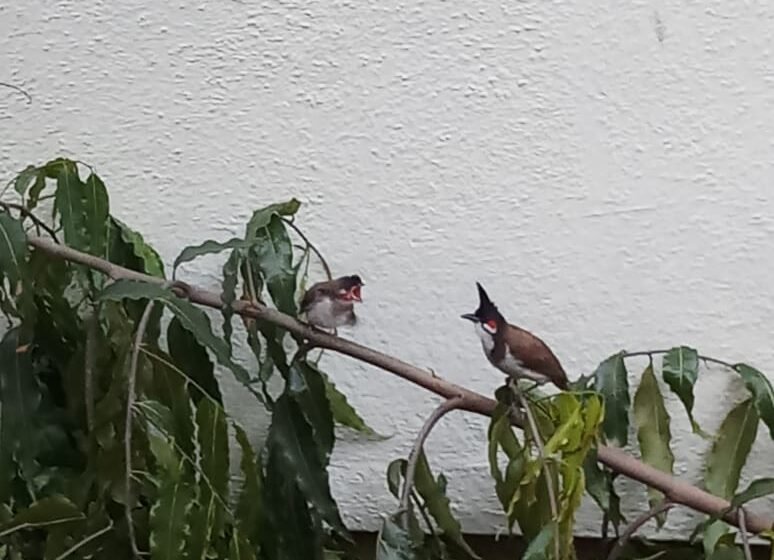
[535, 386]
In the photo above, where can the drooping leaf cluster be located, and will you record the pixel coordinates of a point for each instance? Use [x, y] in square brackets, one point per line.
[68, 476]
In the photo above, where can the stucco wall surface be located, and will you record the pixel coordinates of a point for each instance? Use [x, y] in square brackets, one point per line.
[603, 168]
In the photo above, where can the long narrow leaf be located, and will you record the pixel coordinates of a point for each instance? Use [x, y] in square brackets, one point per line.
[68, 201]
[730, 449]
[438, 505]
[191, 318]
[612, 382]
[760, 387]
[13, 249]
[169, 519]
[96, 208]
[209, 247]
[291, 440]
[343, 412]
[680, 369]
[653, 432]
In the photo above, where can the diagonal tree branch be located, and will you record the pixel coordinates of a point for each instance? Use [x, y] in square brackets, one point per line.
[674, 489]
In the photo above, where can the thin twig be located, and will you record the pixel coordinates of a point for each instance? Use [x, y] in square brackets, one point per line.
[411, 466]
[20, 90]
[635, 525]
[85, 541]
[27, 213]
[130, 397]
[536, 437]
[744, 535]
[651, 353]
[311, 246]
[676, 490]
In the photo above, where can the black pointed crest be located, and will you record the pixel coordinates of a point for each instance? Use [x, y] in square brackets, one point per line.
[486, 307]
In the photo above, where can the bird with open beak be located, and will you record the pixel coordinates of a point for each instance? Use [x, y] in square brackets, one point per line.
[331, 304]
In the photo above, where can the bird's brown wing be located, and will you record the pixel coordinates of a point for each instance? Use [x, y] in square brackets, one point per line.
[536, 355]
[314, 291]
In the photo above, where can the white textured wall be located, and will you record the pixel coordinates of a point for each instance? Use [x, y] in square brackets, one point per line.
[604, 168]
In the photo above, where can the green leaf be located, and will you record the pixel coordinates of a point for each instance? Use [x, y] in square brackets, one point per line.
[68, 201]
[612, 382]
[24, 179]
[212, 434]
[228, 291]
[730, 450]
[193, 360]
[343, 412]
[209, 247]
[438, 505]
[306, 385]
[20, 395]
[601, 487]
[36, 190]
[762, 392]
[96, 206]
[169, 519]
[250, 504]
[680, 369]
[53, 510]
[169, 387]
[394, 543]
[273, 255]
[13, 249]
[500, 435]
[150, 260]
[291, 440]
[191, 318]
[538, 548]
[261, 217]
[395, 471]
[653, 433]
[757, 489]
[293, 533]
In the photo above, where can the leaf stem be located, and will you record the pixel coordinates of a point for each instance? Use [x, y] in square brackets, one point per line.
[744, 535]
[85, 541]
[706, 359]
[411, 466]
[635, 525]
[311, 246]
[130, 398]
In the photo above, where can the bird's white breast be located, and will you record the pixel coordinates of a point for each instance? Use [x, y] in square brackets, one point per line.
[327, 313]
[509, 364]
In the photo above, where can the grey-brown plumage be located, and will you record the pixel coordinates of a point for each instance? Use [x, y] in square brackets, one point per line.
[331, 303]
[513, 350]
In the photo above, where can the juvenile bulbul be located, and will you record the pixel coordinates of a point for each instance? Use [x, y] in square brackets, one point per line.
[513, 350]
[331, 304]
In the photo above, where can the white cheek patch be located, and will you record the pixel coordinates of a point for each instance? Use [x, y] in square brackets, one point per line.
[485, 336]
[488, 328]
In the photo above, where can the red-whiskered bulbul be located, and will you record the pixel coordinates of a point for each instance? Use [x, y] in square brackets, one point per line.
[331, 303]
[511, 349]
